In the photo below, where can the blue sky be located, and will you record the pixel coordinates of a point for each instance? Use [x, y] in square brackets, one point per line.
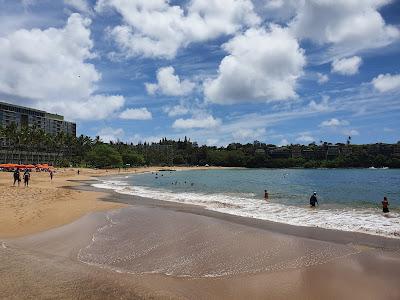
[217, 71]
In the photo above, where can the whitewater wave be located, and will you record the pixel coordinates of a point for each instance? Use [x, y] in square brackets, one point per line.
[365, 220]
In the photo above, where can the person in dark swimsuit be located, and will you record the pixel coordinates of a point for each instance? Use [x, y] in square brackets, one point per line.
[385, 205]
[17, 176]
[313, 199]
[27, 176]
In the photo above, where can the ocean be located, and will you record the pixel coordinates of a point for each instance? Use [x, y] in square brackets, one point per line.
[350, 199]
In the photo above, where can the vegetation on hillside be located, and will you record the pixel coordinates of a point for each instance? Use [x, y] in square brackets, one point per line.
[85, 151]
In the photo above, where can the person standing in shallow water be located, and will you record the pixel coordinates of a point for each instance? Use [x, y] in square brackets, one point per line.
[266, 196]
[385, 205]
[313, 199]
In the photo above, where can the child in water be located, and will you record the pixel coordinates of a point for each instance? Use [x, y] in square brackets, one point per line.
[385, 205]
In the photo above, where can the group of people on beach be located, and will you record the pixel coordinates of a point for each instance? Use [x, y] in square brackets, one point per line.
[26, 176]
[314, 201]
[17, 177]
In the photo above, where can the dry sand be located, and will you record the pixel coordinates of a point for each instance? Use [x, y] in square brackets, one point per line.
[47, 204]
[261, 260]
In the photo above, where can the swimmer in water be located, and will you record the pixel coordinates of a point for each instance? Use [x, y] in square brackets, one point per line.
[385, 205]
[314, 200]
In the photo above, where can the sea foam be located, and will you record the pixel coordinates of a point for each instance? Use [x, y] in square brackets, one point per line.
[365, 220]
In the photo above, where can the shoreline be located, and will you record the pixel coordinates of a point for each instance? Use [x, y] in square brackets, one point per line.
[256, 259]
[317, 233]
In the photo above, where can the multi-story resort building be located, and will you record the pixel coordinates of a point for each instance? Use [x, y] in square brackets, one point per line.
[25, 116]
[28, 117]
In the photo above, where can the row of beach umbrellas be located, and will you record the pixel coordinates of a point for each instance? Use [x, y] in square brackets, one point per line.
[20, 166]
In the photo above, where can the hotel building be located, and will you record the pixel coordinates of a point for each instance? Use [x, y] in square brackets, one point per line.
[29, 117]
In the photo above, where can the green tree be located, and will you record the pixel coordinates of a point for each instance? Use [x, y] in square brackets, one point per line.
[132, 158]
[102, 156]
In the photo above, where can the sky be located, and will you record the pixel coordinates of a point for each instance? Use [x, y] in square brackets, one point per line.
[216, 71]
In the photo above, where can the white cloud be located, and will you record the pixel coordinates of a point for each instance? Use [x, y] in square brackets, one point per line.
[95, 107]
[158, 29]
[49, 68]
[305, 138]
[80, 5]
[137, 138]
[197, 122]
[136, 114]
[349, 25]
[212, 142]
[281, 10]
[351, 132]
[347, 66]
[283, 142]
[386, 82]
[109, 134]
[262, 65]
[248, 134]
[334, 123]
[169, 84]
[177, 110]
[321, 106]
[322, 78]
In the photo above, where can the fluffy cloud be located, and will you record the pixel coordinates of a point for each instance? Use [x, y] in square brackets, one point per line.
[109, 134]
[281, 10]
[351, 132]
[55, 76]
[334, 123]
[321, 106]
[197, 122]
[158, 29]
[350, 25]
[283, 142]
[322, 78]
[305, 138]
[386, 82]
[169, 84]
[176, 110]
[262, 65]
[248, 134]
[136, 114]
[347, 66]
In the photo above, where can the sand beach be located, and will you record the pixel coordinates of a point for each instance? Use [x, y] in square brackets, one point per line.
[67, 240]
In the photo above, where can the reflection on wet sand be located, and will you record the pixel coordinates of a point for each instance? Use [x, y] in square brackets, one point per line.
[185, 245]
[153, 252]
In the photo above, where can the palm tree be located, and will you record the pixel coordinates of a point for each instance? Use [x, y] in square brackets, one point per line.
[11, 136]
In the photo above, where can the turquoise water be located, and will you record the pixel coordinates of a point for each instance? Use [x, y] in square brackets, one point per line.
[349, 198]
[286, 186]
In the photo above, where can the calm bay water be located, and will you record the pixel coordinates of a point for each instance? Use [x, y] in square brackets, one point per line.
[349, 199]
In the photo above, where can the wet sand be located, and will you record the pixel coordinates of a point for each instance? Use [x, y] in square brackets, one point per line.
[206, 255]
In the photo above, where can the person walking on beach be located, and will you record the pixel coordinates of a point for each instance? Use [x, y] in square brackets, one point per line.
[313, 199]
[266, 195]
[26, 177]
[385, 205]
[51, 175]
[79, 172]
[17, 176]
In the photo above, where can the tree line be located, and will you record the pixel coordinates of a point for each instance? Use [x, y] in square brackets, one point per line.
[93, 152]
